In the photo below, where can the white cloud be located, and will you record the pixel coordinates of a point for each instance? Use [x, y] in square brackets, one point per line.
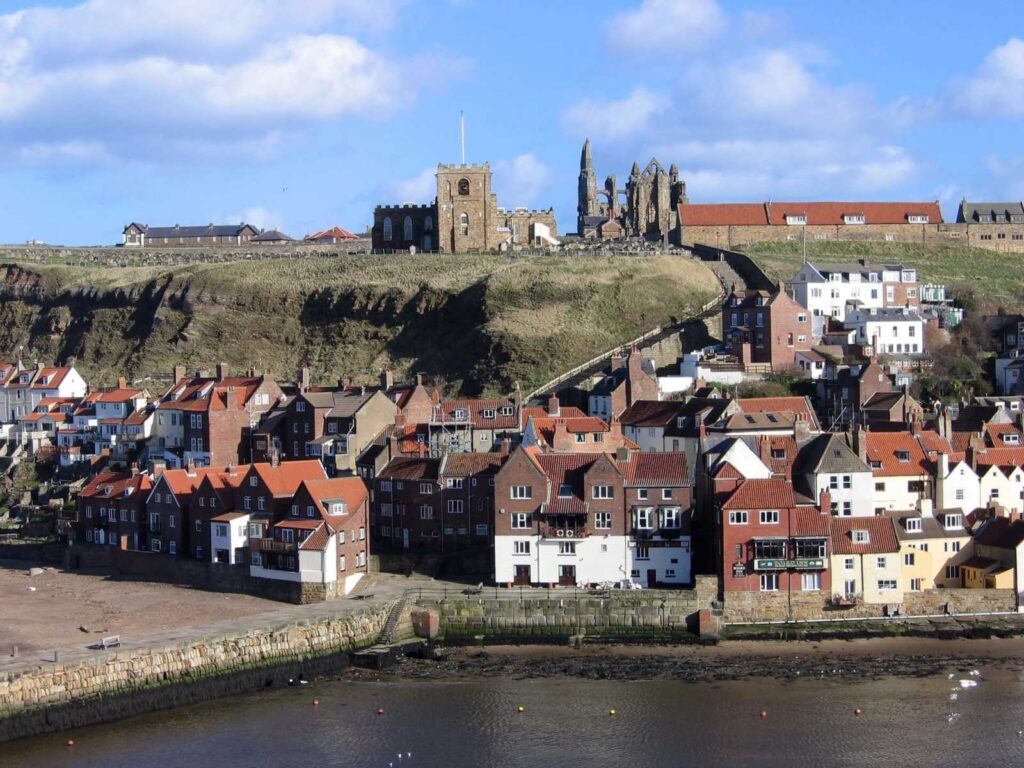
[997, 88]
[521, 181]
[667, 26]
[615, 120]
[259, 217]
[138, 78]
[421, 188]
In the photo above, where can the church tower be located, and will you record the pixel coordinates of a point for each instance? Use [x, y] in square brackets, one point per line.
[588, 204]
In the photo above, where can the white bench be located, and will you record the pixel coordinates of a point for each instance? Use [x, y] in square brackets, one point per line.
[110, 642]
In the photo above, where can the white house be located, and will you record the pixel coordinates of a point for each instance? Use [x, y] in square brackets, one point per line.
[957, 486]
[229, 538]
[826, 289]
[829, 464]
[901, 470]
[897, 330]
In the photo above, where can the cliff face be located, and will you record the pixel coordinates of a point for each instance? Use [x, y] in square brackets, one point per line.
[479, 322]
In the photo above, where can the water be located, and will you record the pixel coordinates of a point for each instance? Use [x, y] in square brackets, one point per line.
[566, 723]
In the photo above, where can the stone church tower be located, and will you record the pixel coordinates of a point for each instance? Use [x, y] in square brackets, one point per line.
[588, 206]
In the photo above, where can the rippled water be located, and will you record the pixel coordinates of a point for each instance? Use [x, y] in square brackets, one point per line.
[566, 723]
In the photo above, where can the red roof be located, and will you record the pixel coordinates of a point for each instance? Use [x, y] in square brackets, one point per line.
[350, 490]
[57, 376]
[808, 522]
[645, 469]
[564, 412]
[317, 541]
[112, 485]
[816, 213]
[885, 447]
[773, 493]
[444, 412]
[334, 233]
[117, 395]
[881, 535]
[184, 482]
[1003, 457]
[199, 394]
[286, 477]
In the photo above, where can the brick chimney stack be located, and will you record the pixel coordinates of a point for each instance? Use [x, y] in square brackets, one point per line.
[387, 379]
[122, 382]
[222, 371]
[825, 502]
[554, 408]
[344, 382]
[178, 373]
[304, 378]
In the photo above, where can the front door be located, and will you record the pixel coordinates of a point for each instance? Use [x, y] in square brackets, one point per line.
[652, 578]
[522, 576]
[567, 575]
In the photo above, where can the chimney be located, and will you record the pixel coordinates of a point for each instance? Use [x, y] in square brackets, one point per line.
[275, 458]
[190, 467]
[505, 447]
[387, 379]
[946, 424]
[304, 378]
[925, 507]
[344, 382]
[553, 406]
[825, 502]
[122, 382]
[419, 379]
[943, 466]
[764, 450]
[622, 454]
[178, 373]
[618, 362]
[135, 468]
[232, 470]
[561, 442]
[158, 467]
[860, 443]
[222, 371]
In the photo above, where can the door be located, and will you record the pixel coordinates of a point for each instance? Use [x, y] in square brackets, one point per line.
[522, 576]
[567, 575]
[405, 538]
[652, 578]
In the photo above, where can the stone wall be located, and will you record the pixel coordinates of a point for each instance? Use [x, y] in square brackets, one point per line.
[540, 615]
[124, 683]
[814, 606]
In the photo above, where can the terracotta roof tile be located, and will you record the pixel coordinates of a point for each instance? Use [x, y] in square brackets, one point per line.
[881, 535]
[466, 464]
[410, 468]
[885, 448]
[650, 469]
[285, 479]
[773, 493]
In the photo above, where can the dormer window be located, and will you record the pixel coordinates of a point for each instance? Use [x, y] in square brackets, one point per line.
[796, 220]
[861, 537]
[488, 413]
[854, 218]
[337, 508]
[903, 457]
[778, 453]
[1011, 439]
[917, 218]
[460, 414]
[507, 410]
[952, 522]
[564, 491]
[912, 524]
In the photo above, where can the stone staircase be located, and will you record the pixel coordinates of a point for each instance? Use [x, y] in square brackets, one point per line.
[387, 635]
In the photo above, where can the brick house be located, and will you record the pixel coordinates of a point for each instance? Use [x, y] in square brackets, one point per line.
[566, 429]
[209, 420]
[844, 390]
[764, 329]
[406, 505]
[771, 540]
[628, 379]
[137, 235]
[168, 510]
[581, 518]
[111, 510]
[474, 425]
[215, 500]
[467, 499]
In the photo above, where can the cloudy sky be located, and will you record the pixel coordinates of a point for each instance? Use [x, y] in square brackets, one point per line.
[303, 114]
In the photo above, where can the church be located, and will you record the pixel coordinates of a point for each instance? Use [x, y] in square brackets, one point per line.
[649, 209]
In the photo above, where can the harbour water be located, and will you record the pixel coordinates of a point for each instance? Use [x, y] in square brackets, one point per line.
[567, 722]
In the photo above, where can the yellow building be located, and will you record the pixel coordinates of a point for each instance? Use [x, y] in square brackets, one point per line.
[933, 548]
[866, 560]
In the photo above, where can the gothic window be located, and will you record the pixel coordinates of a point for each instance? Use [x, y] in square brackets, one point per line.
[387, 228]
[428, 224]
[463, 186]
[427, 243]
[407, 228]
[464, 224]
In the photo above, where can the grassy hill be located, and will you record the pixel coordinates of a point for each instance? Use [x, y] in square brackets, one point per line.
[996, 277]
[480, 322]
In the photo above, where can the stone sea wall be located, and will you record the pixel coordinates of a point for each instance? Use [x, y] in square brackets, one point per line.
[122, 683]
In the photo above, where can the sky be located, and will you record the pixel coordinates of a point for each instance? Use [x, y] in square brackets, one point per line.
[304, 114]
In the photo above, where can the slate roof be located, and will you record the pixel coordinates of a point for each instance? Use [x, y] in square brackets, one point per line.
[651, 413]
[931, 528]
[829, 454]
[796, 405]
[272, 236]
[210, 230]
[1003, 213]
[1001, 532]
[881, 535]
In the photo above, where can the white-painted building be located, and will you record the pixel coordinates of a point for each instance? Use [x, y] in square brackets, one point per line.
[957, 486]
[229, 538]
[827, 289]
[898, 330]
[831, 465]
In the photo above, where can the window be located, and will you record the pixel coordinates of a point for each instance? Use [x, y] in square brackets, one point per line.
[884, 584]
[881, 561]
[908, 558]
[738, 518]
[810, 582]
[641, 494]
[172, 547]
[769, 582]
[520, 547]
[833, 482]
[959, 494]
[522, 520]
[796, 219]
[220, 530]
[426, 512]
[643, 518]
[769, 516]
[454, 506]
[171, 521]
[464, 224]
[385, 509]
[426, 489]
[521, 492]
[809, 548]
[362, 533]
[341, 537]
[604, 492]
[387, 228]
[288, 536]
[255, 531]
[199, 526]
[407, 228]
[880, 487]
[564, 491]
[310, 512]
[903, 456]
[671, 517]
[602, 521]
[567, 547]
[847, 482]
[913, 524]
[666, 494]
[848, 564]
[463, 187]
[952, 571]
[861, 537]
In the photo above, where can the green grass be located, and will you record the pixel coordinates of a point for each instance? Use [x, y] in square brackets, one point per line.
[478, 322]
[997, 277]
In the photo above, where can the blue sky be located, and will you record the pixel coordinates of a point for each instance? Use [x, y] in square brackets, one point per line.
[305, 113]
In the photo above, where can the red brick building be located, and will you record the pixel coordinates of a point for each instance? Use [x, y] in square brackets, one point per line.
[765, 329]
[111, 510]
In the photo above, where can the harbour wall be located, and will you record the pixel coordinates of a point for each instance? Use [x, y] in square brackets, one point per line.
[122, 683]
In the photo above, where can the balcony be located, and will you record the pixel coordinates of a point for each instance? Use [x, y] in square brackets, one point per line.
[273, 545]
[642, 534]
[564, 532]
[797, 564]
